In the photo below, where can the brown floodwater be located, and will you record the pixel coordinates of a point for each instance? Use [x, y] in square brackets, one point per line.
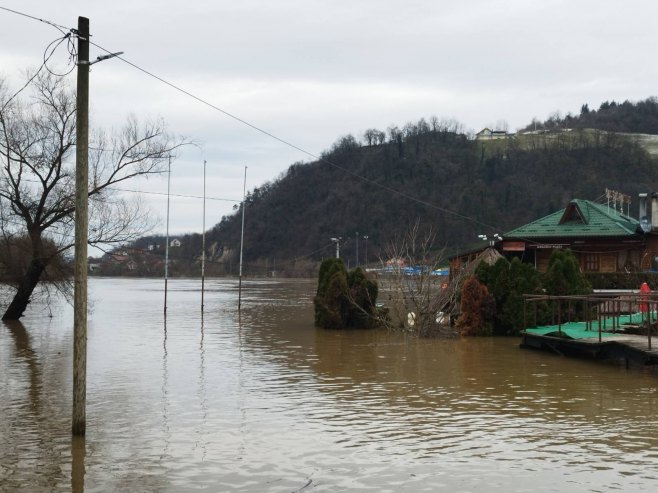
[263, 401]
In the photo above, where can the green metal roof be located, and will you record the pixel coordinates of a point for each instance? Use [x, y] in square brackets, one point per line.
[579, 218]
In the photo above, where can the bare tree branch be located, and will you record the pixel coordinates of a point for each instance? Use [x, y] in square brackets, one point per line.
[37, 170]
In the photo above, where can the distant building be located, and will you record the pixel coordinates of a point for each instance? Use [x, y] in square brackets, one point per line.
[175, 243]
[94, 264]
[488, 134]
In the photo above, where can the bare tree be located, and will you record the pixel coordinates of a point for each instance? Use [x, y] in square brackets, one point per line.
[37, 179]
[417, 299]
[370, 136]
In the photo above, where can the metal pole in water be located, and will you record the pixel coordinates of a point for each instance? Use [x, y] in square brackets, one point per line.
[244, 205]
[203, 239]
[167, 235]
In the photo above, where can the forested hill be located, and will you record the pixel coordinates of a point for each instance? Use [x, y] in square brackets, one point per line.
[639, 117]
[432, 174]
[459, 187]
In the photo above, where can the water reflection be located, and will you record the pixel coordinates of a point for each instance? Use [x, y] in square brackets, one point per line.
[166, 432]
[260, 400]
[203, 400]
[29, 369]
[78, 452]
[25, 352]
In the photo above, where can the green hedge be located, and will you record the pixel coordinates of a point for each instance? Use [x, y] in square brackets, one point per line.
[620, 280]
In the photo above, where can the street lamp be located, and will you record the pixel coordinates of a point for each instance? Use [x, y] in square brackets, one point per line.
[336, 240]
[357, 249]
[365, 237]
[491, 238]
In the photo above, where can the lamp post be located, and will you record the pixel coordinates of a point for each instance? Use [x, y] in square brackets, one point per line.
[166, 265]
[492, 239]
[336, 240]
[365, 237]
[203, 240]
[244, 205]
[357, 249]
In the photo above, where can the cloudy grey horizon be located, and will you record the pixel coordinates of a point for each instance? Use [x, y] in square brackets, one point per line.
[312, 71]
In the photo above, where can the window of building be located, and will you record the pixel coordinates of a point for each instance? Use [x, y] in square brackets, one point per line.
[591, 262]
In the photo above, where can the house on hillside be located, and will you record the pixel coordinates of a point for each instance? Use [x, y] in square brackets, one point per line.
[602, 238]
[175, 243]
[488, 134]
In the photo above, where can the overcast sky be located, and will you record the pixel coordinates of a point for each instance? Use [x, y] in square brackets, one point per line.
[310, 71]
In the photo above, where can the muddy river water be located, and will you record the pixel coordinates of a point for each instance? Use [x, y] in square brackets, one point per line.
[263, 401]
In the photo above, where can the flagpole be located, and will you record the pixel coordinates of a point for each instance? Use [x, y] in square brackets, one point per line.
[244, 205]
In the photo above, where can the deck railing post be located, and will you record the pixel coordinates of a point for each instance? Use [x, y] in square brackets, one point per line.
[649, 325]
[614, 317]
[600, 323]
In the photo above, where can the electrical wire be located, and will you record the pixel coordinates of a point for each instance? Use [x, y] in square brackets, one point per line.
[294, 146]
[269, 134]
[175, 195]
[73, 56]
[46, 58]
[219, 199]
[59, 27]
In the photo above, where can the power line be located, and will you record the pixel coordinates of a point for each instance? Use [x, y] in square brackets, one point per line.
[145, 192]
[293, 146]
[174, 195]
[314, 251]
[271, 135]
[59, 27]
[44, 64]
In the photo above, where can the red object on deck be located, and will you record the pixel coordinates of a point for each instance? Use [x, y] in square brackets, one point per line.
[644, 295]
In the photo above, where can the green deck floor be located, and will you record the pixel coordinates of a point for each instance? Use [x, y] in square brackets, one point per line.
[578, 330]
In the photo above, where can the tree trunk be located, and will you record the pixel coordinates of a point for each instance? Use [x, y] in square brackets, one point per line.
[29, 281]
[25, 289]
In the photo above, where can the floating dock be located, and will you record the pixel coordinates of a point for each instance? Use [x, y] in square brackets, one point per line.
[606, 333]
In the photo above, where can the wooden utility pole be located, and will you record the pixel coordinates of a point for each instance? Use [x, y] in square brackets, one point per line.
[81, 233]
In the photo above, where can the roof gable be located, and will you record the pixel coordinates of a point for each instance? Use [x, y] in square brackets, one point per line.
[572, 213]
[580, 218]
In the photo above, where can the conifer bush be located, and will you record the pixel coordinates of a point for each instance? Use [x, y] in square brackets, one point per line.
[344, 299]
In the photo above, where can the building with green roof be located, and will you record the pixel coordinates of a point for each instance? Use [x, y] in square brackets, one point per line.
[602, 238]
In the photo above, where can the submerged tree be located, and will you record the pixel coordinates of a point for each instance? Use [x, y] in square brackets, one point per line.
[344, 300]
[477, 309]
[37, 179]
[507, 282]
[416, 297]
